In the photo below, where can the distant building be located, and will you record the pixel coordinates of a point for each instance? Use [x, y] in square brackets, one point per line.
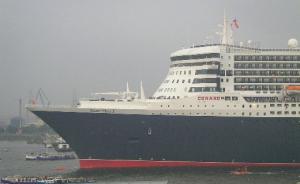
[16, 122]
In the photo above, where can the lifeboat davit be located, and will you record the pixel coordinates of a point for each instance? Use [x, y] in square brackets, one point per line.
[293, 90]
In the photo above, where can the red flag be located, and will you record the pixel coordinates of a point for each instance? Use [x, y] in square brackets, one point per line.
[235, 24]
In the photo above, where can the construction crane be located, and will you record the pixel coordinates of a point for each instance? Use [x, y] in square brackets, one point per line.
[42, 98]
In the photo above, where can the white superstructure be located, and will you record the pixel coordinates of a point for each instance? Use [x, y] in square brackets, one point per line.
[217, 80]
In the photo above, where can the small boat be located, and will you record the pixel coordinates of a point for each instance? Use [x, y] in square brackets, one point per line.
[48, 156]
[44, 180]
[241, 171]
[19, 180]
[63, 147]
[32, 156]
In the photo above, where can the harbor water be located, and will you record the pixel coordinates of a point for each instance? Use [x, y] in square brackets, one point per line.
[12, 162]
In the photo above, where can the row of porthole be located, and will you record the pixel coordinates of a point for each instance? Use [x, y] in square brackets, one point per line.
[243, 113]
[285, 105]
[285, 112]
[212, 113]
[180, 72]
[243, 106]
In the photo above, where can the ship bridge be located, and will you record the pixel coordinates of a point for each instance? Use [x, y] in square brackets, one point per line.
[194, 69]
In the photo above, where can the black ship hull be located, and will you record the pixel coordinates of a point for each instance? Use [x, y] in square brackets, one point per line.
[103, 140]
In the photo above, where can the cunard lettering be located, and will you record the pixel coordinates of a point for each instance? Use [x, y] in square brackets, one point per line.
[209, 98]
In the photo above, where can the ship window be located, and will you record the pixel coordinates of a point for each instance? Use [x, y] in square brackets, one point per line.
[227, 98]
[182, 81]
[265, 113]
[203, 89]
[206, 80]
[279, 105]
[243, 106]
[177, 81]
[180, 72]
[184, 72]
[243, 113]
[279, 112]
[196, 56]
[207, 71]
[272, 112]
[286, 112]
[235, 98]
[228, 72]
[293, 112]
[190, 72]
[173, 81]
[293, 105]
[272, 105]
[189, 81]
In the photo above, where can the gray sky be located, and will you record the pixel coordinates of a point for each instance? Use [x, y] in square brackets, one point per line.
[98, 45]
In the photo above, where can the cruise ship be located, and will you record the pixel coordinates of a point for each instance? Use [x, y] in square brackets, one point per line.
[220, 105]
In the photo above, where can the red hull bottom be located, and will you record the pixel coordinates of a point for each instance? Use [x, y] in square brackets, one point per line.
[104, 164]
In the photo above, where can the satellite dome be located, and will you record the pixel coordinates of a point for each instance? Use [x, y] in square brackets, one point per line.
[292, 43]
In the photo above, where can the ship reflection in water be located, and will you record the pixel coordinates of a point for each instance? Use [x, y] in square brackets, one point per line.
[14, 163]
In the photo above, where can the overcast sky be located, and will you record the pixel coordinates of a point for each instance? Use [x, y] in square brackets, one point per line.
[88, 46]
